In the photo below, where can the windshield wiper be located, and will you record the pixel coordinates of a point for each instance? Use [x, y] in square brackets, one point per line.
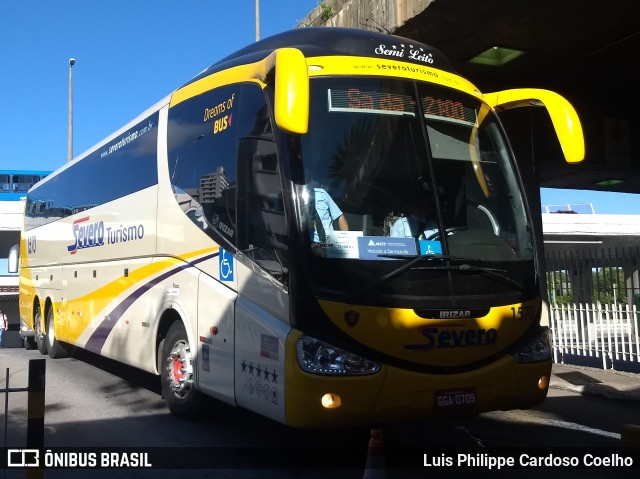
[417, 258]
[491, 272]
[398, 271]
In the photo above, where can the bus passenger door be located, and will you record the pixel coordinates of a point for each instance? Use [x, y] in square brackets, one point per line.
[262, 307]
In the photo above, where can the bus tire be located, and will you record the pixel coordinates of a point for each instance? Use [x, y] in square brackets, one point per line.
[56, 348]
[40, 337]
[177, 374]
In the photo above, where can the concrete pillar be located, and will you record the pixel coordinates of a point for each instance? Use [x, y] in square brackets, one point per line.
[632, 279]
[582, 281]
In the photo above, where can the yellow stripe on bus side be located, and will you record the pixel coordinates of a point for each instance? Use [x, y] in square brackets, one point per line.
[328, 65]
[79, 312]
[215, 80]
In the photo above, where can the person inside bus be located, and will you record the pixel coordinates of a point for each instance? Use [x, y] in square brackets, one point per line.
[416, 224]
[326, 211]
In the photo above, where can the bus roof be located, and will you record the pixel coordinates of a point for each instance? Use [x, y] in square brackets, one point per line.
[323, 41]
[25, 172]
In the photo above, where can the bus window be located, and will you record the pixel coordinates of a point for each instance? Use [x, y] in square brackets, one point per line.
[22, 183]
[263, 233]
[202, 156]
[5, 183]
[475, 175]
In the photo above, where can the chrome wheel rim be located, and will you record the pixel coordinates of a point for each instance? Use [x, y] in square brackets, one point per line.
[180, 369]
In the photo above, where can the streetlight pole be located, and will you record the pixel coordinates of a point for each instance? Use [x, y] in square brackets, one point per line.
[70, 138]
[257, 20]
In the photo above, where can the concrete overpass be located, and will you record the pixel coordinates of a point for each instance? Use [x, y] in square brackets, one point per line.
[581, 245]
[585, 50]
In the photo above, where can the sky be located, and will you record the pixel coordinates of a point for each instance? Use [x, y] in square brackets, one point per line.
[129, 55]
[586, 201]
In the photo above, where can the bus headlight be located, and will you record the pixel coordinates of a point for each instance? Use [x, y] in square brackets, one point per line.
[533, 348]
[318, 357]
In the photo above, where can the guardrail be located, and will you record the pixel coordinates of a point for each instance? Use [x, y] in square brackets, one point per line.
[608, 332]
[569, 208]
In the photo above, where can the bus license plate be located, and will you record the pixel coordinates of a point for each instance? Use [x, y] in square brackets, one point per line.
[455, 399]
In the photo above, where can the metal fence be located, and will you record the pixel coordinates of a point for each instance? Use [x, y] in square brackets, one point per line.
[608, 335]
[594, 299]
[608, 276]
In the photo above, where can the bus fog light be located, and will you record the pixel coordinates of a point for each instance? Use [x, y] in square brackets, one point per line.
[318, 357]
[543, 382]
[331, 401]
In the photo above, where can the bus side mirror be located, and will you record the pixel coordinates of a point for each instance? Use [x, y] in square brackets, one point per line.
[14, 258]
[563, 116]
[291, 102]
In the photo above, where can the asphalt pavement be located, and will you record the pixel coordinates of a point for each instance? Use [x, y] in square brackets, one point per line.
[593, 381]
[600, 382]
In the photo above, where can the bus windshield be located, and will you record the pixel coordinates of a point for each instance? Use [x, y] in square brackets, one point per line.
[398, 171]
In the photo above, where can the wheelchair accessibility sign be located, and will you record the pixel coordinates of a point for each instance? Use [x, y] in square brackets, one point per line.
[225, 264]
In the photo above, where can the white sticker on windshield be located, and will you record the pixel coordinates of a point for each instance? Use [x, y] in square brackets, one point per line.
[343, 244]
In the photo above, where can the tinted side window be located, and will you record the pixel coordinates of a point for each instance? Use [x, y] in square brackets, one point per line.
[263, 232]
[24, 182]
[202, 156]
[125, 165]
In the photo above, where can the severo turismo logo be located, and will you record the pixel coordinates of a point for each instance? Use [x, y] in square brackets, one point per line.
[88, 234]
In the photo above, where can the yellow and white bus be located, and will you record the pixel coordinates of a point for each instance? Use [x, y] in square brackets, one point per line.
[326, 228]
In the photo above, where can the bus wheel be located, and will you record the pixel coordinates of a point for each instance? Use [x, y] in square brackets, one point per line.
[56, 348]
[41, 339]
[177, 375]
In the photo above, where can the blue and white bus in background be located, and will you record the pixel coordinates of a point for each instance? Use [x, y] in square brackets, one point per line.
[14, 184]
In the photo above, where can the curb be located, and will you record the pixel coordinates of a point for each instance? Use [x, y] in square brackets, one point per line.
[595, 390]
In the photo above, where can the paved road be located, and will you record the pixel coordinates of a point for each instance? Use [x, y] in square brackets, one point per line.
[92, 402]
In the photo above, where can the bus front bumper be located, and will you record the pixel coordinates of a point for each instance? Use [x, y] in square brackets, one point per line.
[394, 394]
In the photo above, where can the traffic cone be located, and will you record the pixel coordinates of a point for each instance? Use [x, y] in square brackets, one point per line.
[375, 468]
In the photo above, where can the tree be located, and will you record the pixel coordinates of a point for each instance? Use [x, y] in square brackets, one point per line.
[559, 287]
[609, 286]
